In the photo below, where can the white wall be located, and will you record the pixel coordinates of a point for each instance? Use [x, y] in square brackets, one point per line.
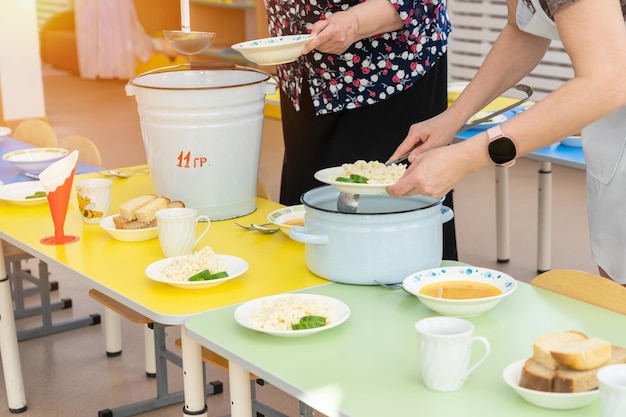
[21, 84]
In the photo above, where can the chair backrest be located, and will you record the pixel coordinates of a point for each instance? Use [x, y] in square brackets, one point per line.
[262, 190]
[87, 150]
[36, 132]
[584, 286]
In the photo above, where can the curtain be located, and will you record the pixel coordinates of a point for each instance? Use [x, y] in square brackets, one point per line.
[109, 38]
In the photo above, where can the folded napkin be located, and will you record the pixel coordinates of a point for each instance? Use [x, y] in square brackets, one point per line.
[57, 174]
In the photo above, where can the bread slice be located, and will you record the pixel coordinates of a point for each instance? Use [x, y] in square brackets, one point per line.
[123, 223]
[536, 376]
[585, 355]
[571, 380]
[543, 346]
[145, 213]
[175, 204]
[128, 209]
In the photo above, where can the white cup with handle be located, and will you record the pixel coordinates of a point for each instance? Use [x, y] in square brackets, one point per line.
[444, 348]
[612, 385]
[177, 230]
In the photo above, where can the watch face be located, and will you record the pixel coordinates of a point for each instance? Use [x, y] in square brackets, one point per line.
[502, 150]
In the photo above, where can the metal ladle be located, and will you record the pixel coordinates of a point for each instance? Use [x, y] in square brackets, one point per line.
[349, 203]
[185, 40]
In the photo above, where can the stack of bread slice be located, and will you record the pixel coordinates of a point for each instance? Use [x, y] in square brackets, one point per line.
[567, 362]
[139, 212]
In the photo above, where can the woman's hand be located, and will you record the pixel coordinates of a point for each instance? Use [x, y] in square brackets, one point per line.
[431, 174]
[435, 172]
[337, 32]
[424, 136]
[333, 35]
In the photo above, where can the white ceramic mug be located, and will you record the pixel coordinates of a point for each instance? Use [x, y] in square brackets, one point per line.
[177, 230]
[94, 198]
[612, 384]
[444, 347]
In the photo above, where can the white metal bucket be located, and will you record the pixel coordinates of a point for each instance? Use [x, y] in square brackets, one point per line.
[202, 132]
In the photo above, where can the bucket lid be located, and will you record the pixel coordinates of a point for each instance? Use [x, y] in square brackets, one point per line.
[196, 76]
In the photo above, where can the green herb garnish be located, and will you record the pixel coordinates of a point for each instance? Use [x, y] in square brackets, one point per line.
[38, 194]
[207, 276]
[309, 322]
[354, 178]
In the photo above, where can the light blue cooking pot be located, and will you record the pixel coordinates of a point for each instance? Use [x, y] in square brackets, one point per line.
[386, 240]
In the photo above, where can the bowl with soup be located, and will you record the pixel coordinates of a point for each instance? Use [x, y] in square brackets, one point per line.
[460, 291]
[287, 217]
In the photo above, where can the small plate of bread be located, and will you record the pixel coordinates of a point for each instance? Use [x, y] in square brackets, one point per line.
[561, 374]
[136, 220]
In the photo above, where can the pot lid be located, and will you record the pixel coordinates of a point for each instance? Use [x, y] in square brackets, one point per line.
[325, 199]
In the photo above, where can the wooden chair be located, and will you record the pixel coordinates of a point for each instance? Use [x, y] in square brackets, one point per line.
[36, 132]
[87, 150]
[584, 286]
[262, 190]
[114, 311]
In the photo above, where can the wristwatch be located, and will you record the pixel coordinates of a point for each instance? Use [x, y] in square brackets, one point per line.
[501, 148]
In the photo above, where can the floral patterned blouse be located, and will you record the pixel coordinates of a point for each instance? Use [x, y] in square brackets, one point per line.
[371, 69]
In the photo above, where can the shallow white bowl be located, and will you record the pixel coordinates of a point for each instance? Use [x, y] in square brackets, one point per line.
[553, 400]
[243, 314]
[280, 216]
[273, 51]
[455, 89]
[17, 192]
[460, 308]
[234, 267]
[4, 131]
[572, 142]
[34, 160]
[136, 235]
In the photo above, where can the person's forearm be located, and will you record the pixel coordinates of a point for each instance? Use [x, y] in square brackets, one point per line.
[512, 57]
[376, 16]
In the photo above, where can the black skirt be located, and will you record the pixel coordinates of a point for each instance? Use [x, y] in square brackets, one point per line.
[370, 133]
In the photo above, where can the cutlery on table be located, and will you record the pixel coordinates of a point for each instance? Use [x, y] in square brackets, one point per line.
[395, 286]
[123, 173]
[259, 227]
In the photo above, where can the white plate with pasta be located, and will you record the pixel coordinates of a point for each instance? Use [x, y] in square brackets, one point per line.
[275, 314]
[234, 267]
[373, 186]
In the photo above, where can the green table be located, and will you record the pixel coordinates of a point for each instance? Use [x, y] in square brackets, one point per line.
[368, 367]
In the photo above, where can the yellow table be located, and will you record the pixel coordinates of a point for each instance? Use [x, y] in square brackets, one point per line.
[276, 265]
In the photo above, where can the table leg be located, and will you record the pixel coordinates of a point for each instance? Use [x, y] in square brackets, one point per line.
[193, 378]
[503, 233]
[544, 221]
[240, 394]
[9, 351]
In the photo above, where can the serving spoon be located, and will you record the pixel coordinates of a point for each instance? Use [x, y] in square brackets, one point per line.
[186, 41]
[349, 203]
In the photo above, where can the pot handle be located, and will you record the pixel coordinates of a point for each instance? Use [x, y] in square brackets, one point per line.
[299, 234]
[446, 214]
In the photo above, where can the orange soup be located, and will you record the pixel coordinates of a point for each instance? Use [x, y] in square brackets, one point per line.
[460, 290]
[294, 222]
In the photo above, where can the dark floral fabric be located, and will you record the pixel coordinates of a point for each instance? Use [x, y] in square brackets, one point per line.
[370, 70]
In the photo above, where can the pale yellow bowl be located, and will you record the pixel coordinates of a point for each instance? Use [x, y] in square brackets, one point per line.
[292, 214]
[455, 90]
